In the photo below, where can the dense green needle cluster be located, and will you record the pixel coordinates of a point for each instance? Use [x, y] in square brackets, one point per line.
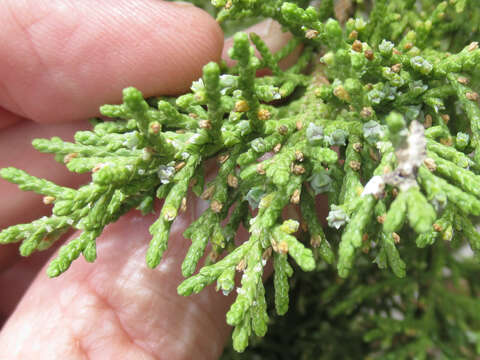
[380, 114]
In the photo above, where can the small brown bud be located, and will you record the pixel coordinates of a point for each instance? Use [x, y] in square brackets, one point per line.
[260, 169]
[463, 80]
[445, 118]
[223, 157]
[396, 68]
[155, 127]
[446, 141]
[69, 157]
[365, 237]
[274, 245]
[299, 155]
[205, 124]
[353, 35]
[282, 129]
[428, 121]
[357, 46]
[277, 148]
[97, 167]
[193, 115]
[311, 34]
[183, 205]
[303, 225]
[216, 206]
[437, 227]
[207, 194]
[283, 247]
[315, 241]
[396, 51]
[180, 165]
[473, 46]
[366, 112]
[472, 95]
[373, 154]
[295, 198]
[396, 238]
[299, 125]
[381, 218]
[357, 147]
[241, 106]
[355, 165]
[369, 55]
[298, 169]
[47, 200]
[430, 164]
[232, 181]
[408, 46]
[267, 253]
[242, 264]
[341, 93]
[263, 114]
[213, 256]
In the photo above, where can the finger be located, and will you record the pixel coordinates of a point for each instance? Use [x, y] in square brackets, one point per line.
[271, 32]
[118, 308]
[60, 60]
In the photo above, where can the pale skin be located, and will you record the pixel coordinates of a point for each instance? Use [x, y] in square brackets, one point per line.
[60, 60]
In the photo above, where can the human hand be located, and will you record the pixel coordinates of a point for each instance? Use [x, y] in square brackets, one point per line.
[59, 61]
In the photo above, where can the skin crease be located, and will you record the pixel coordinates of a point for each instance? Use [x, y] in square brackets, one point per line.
[78, 54]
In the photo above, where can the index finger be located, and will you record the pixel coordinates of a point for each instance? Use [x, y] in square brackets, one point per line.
[60, 60]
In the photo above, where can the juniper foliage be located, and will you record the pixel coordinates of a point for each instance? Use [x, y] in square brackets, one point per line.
[380, 114]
